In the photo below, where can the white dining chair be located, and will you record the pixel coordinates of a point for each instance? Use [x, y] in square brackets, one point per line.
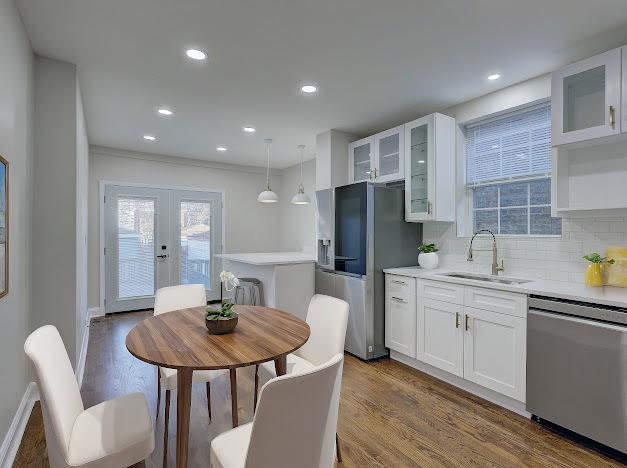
[166, 300]
[327, 318]
[115, 433]
[294, 425]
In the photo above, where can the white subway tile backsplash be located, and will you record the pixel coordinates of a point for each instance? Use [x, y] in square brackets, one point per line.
[552, 258]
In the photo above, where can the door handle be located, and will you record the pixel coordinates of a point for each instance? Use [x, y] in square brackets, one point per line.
[398, 299]
[429, 207]
[467, 323]
[456, 319]
[612, 116]
[163, 256]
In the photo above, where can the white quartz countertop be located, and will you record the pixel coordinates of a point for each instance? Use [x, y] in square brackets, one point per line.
[606, 295]
[269, 258]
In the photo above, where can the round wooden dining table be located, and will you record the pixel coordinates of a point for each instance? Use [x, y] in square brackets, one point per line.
[179, 340]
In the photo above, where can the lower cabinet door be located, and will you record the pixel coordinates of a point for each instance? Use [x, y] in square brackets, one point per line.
[440, 338]
[400, 325]
[495, 350]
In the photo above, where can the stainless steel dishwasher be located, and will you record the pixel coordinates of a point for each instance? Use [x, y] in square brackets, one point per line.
[577, 369]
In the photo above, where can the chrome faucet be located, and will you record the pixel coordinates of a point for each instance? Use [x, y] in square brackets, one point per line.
[495, 263]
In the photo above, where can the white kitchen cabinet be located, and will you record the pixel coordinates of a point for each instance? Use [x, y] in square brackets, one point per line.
[400, 314]
[440, 340]
[586, 99]
[430, 169]
[361, 160]
[389, 159]
[495, 351]
[378, 158]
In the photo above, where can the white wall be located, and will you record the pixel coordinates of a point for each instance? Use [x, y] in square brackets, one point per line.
[250, 226]
[297, 222]
[556, 259]
[16, 111]
[59, 187]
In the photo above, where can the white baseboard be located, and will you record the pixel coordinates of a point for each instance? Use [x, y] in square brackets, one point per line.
[94, 312]
[471, 387]
[80, 365]
[11, 442]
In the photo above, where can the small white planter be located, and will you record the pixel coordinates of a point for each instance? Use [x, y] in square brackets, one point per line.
[428, 261]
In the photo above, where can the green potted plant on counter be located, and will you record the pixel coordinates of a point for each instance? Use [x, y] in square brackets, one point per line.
[427, 256]
[223, 320]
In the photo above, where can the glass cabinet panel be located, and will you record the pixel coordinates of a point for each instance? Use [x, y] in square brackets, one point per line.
[389, 155]
[584, 99]
[419, 169]
[361, 162]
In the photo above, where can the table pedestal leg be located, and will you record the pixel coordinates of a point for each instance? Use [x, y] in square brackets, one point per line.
[280, 365]
[234, 417]
[183, 404]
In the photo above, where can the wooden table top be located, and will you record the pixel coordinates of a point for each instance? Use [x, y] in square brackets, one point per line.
[179, 339]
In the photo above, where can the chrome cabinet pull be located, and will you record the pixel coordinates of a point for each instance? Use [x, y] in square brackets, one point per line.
[399, 282]
[428, 207]
[398, 299]
[456, 319]
[467, 324]
[612, 116]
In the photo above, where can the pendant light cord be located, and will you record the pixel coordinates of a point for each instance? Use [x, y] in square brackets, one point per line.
[301, 165]
[268, 168]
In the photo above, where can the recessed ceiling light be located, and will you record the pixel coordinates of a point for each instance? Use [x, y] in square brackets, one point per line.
[249, 129]
[164, 111]
[221, 148]
[494, 76]
[196, 54]
[309, 89]
[149, 138]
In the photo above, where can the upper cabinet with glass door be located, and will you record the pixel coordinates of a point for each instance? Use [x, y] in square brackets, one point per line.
[586, 99]
[360, 160]
[378, 158]
[430, 164]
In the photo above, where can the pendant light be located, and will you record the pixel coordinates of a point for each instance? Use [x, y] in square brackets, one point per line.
[301, 197]
[268, 196]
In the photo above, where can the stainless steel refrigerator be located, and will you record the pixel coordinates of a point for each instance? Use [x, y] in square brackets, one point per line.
[361, 230]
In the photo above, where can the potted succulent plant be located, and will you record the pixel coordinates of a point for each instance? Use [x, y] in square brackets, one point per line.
[427, 256]
[594, 273]
[224, 319]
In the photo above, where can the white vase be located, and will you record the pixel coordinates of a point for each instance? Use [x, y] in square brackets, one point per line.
[428, 261]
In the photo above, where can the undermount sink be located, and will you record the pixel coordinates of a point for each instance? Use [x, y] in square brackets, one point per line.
[486, 278]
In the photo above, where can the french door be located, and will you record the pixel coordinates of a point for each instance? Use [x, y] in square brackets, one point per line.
[159, 237]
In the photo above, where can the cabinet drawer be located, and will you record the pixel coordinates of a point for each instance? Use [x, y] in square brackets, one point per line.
[400, 287]
[497, 301]
[441, 291]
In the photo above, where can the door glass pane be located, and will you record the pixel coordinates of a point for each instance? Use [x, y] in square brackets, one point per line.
[389, 155]
[419, 166]
[136, 247]
[584, 99]
[195, 243]
[361, 162]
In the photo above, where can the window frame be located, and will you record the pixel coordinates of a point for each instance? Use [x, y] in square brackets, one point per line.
[465, 225]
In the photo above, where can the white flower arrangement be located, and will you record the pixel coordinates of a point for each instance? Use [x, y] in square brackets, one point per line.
[229, 280]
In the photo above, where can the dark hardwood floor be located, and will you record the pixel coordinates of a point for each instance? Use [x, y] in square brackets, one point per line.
[390, 415]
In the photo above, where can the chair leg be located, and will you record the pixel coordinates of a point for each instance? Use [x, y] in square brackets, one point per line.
[209, 400]
[158, 392]
[256, 387]
[165, 428]
[337, 448]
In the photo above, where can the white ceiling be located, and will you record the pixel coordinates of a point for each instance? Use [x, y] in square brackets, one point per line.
[377, 63]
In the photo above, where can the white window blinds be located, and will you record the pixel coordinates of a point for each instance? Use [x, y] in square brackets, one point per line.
[509, 147]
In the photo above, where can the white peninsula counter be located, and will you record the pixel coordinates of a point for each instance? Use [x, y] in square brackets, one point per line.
[288, 278]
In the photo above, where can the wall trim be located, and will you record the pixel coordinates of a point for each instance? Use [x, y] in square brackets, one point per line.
[82, 356]
[178, 160]
[471, 387]
[11, 442]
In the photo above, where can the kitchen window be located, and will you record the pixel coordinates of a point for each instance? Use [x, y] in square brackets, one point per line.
[508, 173]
